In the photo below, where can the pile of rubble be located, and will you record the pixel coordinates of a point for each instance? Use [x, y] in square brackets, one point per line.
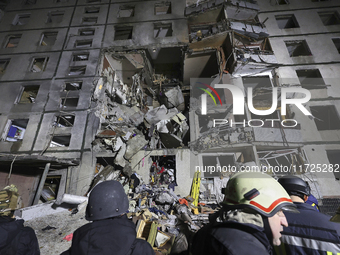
[164, 219]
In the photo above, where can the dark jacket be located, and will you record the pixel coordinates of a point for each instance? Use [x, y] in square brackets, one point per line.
[110, 236]
[309, 232]
[231, 238]
[17, 239]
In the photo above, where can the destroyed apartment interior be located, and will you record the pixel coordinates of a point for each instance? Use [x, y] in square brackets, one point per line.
[96, 90]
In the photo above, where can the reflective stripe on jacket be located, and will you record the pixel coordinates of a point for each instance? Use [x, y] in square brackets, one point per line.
[309, 232]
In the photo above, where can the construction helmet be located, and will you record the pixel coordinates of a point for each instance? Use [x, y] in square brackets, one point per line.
[336, 217]
[107, 199]
[295, 185]
[9, 200]
[259, 192]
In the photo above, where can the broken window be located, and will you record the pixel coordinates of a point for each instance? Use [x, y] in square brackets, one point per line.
[286, 21]
[126, 11]
[162, 8]
[285, 158]
[51, 188]
[83, 43]
[16, 129]
[30, 2]
[326, 117]
[92, 9]
[29, 94]
[90, 20]
[310, 78]
[64, 121]
[161, 30]
[39, 65]
[89, 31]
[69, 102]
[60, 141]
[123, 33]
[77, 70]
[334, 159]
[336, 42]
[329, 18]
[298, 48]
[3, 65]
[55, 16]
[74, 85]
[21, 19]
[48, 38]
[81, 57]
[12, 41]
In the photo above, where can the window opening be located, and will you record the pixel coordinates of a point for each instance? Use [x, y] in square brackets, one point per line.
[48, 38]
[69, 102]
[81, 57]
[77, 70]
[39, 65]
[13, 41]
[73, 85]
[21, 19]
[336, 42]
[55, 17]
[298, 48]
[83, 44]
[29, 94]
[162, 30]
[60, 141]
[123, 33]
[334, 159]
[326, 117]
[162, 8]
[50, 189]
[3, 65]
[329, 18]
[17, 128]
[64, 121]
[126, 11]
[310, 77]
[92, 9]
[163, 170]
[86, 32]
[286, 21]
[90, 20]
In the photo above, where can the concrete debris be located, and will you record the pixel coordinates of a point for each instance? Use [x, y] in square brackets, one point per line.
[135, 144]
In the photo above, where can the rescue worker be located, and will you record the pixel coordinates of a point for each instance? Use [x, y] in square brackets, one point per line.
[110, 231]
[15, 238]
[309, 232]
[336, 217]
[251, 219]
[313, 202]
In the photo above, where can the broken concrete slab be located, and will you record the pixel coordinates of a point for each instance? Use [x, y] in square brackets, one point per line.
[175, 98]
[135, 144]
[160, 113]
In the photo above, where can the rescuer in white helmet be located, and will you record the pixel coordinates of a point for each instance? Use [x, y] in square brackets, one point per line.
[251, 219]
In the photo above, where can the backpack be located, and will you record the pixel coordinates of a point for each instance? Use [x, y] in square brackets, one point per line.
[8, 200]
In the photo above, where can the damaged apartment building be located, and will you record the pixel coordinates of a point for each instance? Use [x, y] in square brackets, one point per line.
[92, 86]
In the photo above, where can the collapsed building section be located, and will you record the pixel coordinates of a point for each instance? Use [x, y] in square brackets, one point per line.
[154, 113]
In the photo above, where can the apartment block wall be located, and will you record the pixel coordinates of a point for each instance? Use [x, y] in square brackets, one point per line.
[324, 57]
[83, 27]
